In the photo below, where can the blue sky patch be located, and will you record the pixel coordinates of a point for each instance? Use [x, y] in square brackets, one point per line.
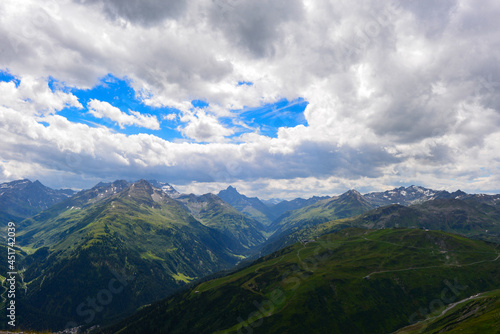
[118, 92]
[267, 119]
[5, 76]
[199, 104]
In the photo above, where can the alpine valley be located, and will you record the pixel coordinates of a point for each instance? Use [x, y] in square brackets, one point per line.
[140, 257]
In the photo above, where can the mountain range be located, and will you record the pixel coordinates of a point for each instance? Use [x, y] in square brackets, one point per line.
[349, 204]
[409, 195]
[213, 212]
[81, 243]
[251, 206]
[146, 241]
[353, 281]
[264, 211]
[22, 199]
[469, 217]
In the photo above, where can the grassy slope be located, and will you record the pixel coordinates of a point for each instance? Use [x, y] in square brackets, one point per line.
[26, 200]
[479, 314]
[347, 205]
[6, 217]
[44, 229]
[14, 209]
[252, 207]
[4, 269]
[212, 211]
[150, 237]
[282, 207]
[322, 286]
[469, 218]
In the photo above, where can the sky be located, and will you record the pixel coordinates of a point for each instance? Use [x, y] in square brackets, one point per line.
[280, 99]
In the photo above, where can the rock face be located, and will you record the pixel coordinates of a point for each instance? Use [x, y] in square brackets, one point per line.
[251, 206]
[407, 196]
[22, 199]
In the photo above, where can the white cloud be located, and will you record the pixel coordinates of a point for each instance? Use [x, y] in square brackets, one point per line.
[203, 127]
[170, 117]
[402, 93]
[101, 109]
[35, 96]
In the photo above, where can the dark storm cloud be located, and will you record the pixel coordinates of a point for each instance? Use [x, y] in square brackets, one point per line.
[434, 16]
[309, 158]
[254, 24]
[143, 12]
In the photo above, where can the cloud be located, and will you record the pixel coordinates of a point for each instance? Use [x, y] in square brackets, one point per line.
[101, 109]
[406, 92]
[147, 13]
[170, 117]
[203, 127]
[254, 25]
[34, 96]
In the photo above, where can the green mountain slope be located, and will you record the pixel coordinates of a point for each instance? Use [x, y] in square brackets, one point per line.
[250, 206]
[127, 249]
[477, 314]
[54, 224]
[353, 281]
[348, 204]
[22, 199]
[213, 212]
[470, 218]
[282, 207]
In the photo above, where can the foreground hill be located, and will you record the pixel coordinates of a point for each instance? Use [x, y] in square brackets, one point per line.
[122, 245]
[353, 281]
[477, 314]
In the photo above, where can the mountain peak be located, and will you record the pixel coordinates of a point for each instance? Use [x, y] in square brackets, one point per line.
[405, 196]
[139, 190]
[251, 206]
[165, 187]
[23, 199]
[142, 184]
[231, 192]
[458, 194]
[102, 185]
[231, 189]
[37, 186]
[119, 182]
[352, 193]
